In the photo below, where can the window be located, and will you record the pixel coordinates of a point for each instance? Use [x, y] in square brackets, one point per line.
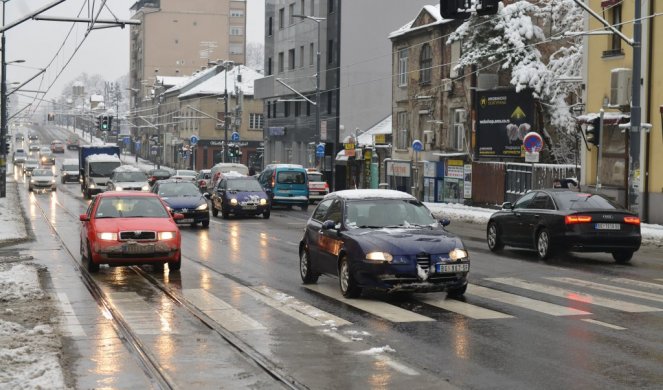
[425, 64]
[236, 13]
[335, 213]
[274, 110]
[269, 66]
[330, 51]
[320, 211]
[236, 30]
[541, 201]
[615, 41]
[330, 98]
[270, 23]
[330, 6]
[312, 7]
[281, 66]
[291, 11]
[311, 54]
[524, 201]
[308, 108]
[256, 121]
[291, 59]
[269, 109]
[455, 58]
[236, 48]
[403, 137]
[402, 67]
[281, 17]
[301, 56]
[298, 108]
[457, 139]
[286, 108]
[302, 7]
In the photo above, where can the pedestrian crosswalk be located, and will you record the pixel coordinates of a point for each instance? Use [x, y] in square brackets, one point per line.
[490, 299]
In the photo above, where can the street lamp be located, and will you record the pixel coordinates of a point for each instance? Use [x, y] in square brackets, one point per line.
[3, 109]
[227, 66]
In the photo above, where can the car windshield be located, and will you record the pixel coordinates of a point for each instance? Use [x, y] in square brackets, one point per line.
[102, 169]
[161, 173]
[583, 201]
[380, 213]
[130, 176]
[244, 185]
[70, 167]
[291, 178]
[178, 189]
[315, 177]
[186, 173]
[42, 172]
[130, 207]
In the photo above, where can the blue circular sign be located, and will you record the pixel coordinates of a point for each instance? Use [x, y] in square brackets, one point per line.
[320, 150]
[193, 140]
[533, 142]
[417, 146]
[234, 136]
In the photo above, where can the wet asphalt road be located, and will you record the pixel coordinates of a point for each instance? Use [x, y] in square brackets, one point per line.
[579, 321]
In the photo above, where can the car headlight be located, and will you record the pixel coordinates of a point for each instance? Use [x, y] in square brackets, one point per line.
[458, 254]
[166, 235]
[379, 256]
[32, 180]
[53, 180]
[263, 202]
[118, 188]
[107, 236]
[91, 185]
[233, 202]
[145, 187]
[202, 207]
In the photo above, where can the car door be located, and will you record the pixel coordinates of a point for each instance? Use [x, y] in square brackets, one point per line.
[533, 215]
[313, 231]
[86, 228]
[329, 240]
[512, 223]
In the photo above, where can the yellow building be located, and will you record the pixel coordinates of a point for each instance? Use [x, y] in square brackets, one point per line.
[608, 64]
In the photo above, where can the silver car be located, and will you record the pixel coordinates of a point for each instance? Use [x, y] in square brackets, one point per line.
[42, 179]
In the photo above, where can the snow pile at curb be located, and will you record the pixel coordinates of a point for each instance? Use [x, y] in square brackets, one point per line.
[12, 225]
[20, 282]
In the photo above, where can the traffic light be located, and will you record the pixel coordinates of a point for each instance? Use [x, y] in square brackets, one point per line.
[104, 123]
[110, 122]
[51, 116]
[593, 131]
[97, 122]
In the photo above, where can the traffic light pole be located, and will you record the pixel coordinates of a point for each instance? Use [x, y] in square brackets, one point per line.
[3, 113]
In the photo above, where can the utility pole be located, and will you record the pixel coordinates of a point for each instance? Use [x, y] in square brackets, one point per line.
[227, 65]
[3, 111]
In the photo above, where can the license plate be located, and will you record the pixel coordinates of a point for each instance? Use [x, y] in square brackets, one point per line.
[186, 220]
[446, 268]
[607, 226]
[249, 207]
[135, 249]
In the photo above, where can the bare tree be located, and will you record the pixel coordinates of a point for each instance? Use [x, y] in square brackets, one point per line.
[255, 56]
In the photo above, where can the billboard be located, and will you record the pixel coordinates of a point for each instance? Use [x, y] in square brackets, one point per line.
[503, 119]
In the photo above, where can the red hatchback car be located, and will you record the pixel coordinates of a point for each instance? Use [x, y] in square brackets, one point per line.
[129, 228]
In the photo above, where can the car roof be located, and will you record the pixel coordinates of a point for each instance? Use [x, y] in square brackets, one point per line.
[125, 194]
[180, 181]
[70, 161]
[370, 194]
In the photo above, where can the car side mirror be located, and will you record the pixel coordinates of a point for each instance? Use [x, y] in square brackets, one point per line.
[83, 218]
[328, 225]
[178, 216]
[445, 222]
[507, 206]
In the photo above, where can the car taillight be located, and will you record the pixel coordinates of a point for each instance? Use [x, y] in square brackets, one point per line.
[326, 186]
[573, 219]
[632, 220]
[153, 178]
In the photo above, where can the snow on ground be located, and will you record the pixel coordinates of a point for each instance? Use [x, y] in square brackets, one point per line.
[377, 350]
[12, 226]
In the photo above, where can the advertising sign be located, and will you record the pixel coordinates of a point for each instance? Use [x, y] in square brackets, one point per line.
[467, 181]
[503, 120]
[401, 169]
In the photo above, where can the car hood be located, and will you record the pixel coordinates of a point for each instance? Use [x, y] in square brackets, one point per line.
[130, 183]
[114, 225]
[44, 178]
[246, 196]
[184, 202]
[31, 165]
[405, 241]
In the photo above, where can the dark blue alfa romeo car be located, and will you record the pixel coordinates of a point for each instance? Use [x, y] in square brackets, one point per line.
[183, 197]
[381, 239]
[240, 195]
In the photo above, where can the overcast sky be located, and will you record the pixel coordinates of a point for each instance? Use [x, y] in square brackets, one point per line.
[104, 52]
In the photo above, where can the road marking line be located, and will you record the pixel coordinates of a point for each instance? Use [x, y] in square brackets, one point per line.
[221, 312]
[611, 326]
[638, 283]
[402, 368]
[524, 302]
[140, 315]
[576, 296]
[466, 309]
[293, 307]
[336, 336]
[72, 326]
[377, 308]
[612, 289]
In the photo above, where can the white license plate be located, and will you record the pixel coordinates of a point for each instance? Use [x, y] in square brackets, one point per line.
[134, 249]
[249, 207]
[186, 220]
[446, 268]
[607, 226]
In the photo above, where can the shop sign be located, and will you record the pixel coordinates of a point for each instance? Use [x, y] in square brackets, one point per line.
[368, 154]
[456, 172]
[350, 150]
[430, 169]
[467, 181]
[380, 139]
[401, 169]
[456, 163]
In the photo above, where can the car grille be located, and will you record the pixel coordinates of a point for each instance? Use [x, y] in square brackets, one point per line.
[423, 260]
[138, 236]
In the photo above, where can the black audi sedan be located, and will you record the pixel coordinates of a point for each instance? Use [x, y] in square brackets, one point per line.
[559, 220]
[381, 239]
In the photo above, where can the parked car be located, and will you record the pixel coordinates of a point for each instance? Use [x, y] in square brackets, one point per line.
[183, 197]
[203, 179]
[559, 220]
[240, 195]
[69, 170]
[46, 157]
[317, 186]
[42, 179]
[286, 185]
[30, 164]
[185, 174]
[381, 239]
[128, 228]
[157, 174]
[57, 146]
[73, 142]
[127, 178]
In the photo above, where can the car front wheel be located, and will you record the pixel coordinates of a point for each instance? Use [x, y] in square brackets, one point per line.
[493, 237]
[622, 257]
[205, 224]
[175, 265]
[266, 214]
[349, 286]
[92, 267]
[457, 292]
[305, 271]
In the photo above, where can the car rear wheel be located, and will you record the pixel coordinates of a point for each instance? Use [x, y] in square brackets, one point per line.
[305, 271]
[493, 237]
[457, 292]
[349, 287]
[622, 257]
[543, 246]
[175, 265]
[92, 267]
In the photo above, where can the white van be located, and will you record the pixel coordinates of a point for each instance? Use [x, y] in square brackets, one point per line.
[223, 168]
[69, 171]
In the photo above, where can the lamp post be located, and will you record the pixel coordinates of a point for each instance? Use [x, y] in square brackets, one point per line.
[227, 66]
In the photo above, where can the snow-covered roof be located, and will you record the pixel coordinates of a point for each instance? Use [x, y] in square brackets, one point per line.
[190, 80]
[610, 117]
[217, 84]
[102, 158]
[233, 174]
[171, 81]
[433, 10]
[383, 127]
[127, 168]
[96, 98]
[371, 194]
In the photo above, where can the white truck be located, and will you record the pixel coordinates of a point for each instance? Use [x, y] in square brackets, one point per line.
[96, 164]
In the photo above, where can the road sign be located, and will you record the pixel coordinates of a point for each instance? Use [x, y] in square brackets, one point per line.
[533, 142]
[320, 150]
[193, 140]
[417, 146]
[234, 136]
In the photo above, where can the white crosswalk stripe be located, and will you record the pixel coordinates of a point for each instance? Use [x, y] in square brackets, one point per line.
[576, 296]
[638, 283]
[220, 311]
[523, 302]
[140, 315]
[466, 309]
[601, 323]
[72, 327]
[612, 289]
